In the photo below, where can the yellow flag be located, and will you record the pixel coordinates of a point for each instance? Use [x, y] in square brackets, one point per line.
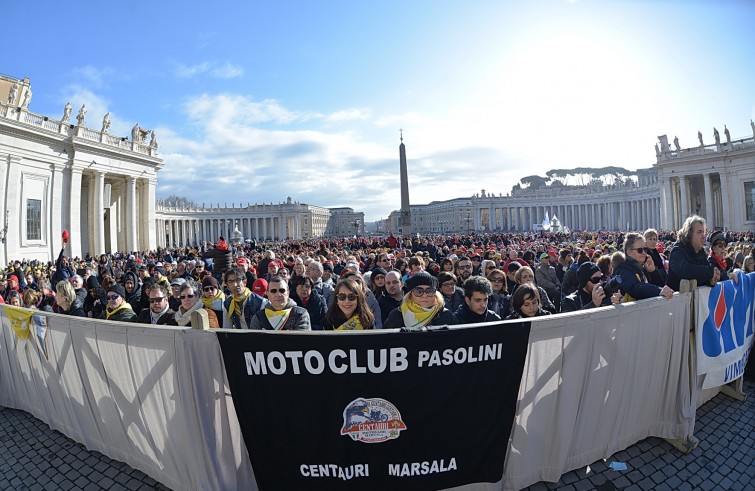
[20, 321]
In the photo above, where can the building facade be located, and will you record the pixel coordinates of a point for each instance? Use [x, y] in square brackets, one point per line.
[716, 181]
[345, 222]
[290, 220]
[57, 175]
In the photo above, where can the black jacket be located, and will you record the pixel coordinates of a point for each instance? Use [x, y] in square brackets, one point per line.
[464, 315]
[145, 317]
[686, 264]
[636, 282]
[315, 307]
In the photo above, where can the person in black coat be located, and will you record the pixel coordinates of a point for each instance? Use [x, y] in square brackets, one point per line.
[68, 303]
[525, 303]
[688, 260]
[477, 290]
[304, 296]
[422, 307]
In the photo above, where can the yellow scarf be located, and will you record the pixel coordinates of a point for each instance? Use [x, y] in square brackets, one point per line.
[108, 312]
[214, 303]
[277, 318]
[236, 303]
[417, 316]
[352, 324]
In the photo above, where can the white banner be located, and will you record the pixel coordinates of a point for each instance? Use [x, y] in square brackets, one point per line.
[724, 329]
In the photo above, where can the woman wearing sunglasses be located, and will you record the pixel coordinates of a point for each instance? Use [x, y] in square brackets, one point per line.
[639, 276]
[423, 306]
[190, 296]
[349, 310]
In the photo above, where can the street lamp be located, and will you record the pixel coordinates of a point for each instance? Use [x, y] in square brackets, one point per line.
[469, 219]
[355, 223]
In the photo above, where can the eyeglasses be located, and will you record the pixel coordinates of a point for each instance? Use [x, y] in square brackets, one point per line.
[490, 267]
[112, 297]
[156, 299]
[343, 296]
[639, 250]
[718, 244]
[448, 284]
[496, 280]
[184, 297]
[276, 290]
[419, 292]
[208, 288]
[596, 279]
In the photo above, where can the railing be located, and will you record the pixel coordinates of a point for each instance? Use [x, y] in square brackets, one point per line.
[22, 115]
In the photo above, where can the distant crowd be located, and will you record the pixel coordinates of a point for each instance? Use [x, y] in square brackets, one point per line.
[412, 283]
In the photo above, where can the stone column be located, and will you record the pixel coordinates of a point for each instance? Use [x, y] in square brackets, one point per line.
[684, 193]
[74, 212]
[726, 200]
[147, 242]
[131, 243]
[99, 210]
[709, 216]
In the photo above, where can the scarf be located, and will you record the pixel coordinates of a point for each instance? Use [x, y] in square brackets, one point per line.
[416, 316]
[156, 317]
[183, 318]
[721, 262]
[109, 313]
[277, 318]
[214, 303]
[236, 303]
[352, 324]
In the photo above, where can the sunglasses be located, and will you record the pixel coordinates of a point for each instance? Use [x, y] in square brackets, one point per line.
[640, 250]
[490, 267]
[156, 299]
[496, 280]
[596, 279]
[112, 297]
[184, 297]
[344, 296]
[277, 290]
[419, 292]
[208, 288]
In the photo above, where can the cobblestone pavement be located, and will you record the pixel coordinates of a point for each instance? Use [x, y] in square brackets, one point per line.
[34, 457]
[724, 459]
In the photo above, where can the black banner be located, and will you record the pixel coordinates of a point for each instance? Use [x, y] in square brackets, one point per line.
[375, 411]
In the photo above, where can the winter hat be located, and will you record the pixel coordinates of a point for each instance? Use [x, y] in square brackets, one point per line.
[177, 282]
[210, 281]
[717, 236]
[421, 279]
[585, 272]
[379, 271]
[259, 286]
[118, 289]
[544, 256]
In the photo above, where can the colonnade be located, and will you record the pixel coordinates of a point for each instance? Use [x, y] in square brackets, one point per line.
[636, 214]
[177, 232]
[709, 195]
[109, 212]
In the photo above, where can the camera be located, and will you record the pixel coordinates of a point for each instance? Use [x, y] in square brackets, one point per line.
[612, 286]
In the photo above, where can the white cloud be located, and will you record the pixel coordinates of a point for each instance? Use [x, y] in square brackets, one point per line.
[349, 115]
[93, 76]
[213, 69]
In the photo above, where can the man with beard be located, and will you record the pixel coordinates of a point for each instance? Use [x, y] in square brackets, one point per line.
[241, 304]
[159, 312]
[463, 269]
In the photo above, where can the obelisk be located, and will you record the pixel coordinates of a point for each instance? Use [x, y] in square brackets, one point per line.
[405, 224]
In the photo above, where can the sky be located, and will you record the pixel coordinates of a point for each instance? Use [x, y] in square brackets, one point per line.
[255, 102]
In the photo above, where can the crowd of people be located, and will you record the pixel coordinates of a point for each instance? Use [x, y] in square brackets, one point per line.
[380, 282]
